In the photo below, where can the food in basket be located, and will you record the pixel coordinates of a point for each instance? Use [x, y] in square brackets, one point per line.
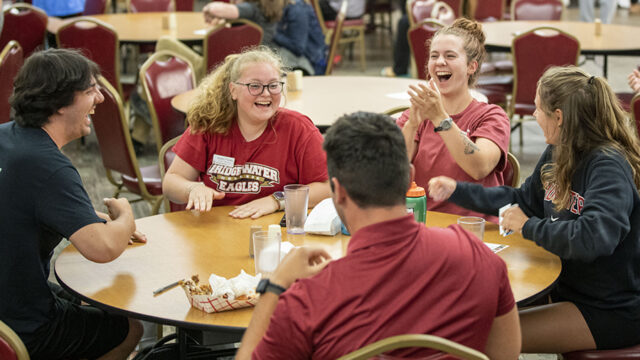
[221, 294]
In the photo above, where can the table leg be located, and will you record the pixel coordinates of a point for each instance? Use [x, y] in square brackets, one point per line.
[182, 344]
[605, 67]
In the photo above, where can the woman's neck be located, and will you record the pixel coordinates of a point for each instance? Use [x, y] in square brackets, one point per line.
[251, 131]
[457, 102]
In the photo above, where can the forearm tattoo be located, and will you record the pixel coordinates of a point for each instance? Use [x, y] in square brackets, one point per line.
[469, 146]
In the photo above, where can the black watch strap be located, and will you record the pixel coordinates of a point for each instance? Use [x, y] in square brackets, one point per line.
[265, 285]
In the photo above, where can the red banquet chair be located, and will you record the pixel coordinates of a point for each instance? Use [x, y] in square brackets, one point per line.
[184, 5]
[537, 9]
[530, 63]
[150, 5]
[629, 353]
[165, 158]
[163, 76]
[352, 31]
[489, 10]
[335, 38]
[11, 346]
[11, 60]
[95, 7]
[419, 37]
[99, 42]
[112, 130]
[26, 24]
[229, 38]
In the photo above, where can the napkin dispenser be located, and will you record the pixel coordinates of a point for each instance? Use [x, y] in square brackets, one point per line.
[323, 219]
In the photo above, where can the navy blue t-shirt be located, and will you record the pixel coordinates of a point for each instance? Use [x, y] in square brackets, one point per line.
[42, 200]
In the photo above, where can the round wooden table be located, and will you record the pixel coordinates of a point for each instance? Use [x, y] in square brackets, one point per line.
[147, 27]
[613, 40]
[325, 98]
[184, 243]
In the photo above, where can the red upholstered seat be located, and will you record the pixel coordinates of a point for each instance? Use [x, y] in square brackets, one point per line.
[11, 60]
[99, 42]
[25, 24]
[6, 351]
[94, 7]
[11, 346]
[163, 76]
[630, 353]
[149, 5]
[112, 130]
[530, 63]
[489, 10]
[230, 38]
[419, 37]
[537, 10]
[185, 5]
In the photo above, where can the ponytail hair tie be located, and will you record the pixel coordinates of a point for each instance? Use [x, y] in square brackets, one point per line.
[591, 80]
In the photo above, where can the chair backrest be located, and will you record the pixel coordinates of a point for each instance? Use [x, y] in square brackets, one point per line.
[11, 346]
[537, 10]
[529, 63]
[415, 340]
[511, 172]
[184, 5]
[419, 10]
[98, 41]
[419, 37]
[11, 60]
[149, 5]
[229, 38]
[443, 13]
[165, 158]
[489, 10]
[635, 112]
[164, 75]
[27, 25]
[112, 130]
[95, 7]
[335, 37]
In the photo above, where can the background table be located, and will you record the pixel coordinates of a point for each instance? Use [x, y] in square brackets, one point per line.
[184, 243]
[325, 98]
[147, 27]
[613, 40]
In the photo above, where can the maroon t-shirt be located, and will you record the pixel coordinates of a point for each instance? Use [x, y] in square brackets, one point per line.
[289, 151]
[478, 120]
[398, 277]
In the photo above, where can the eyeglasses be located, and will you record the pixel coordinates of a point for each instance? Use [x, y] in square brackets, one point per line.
[255, 89]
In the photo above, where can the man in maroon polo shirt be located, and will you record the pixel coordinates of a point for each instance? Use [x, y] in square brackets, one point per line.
[398, 277]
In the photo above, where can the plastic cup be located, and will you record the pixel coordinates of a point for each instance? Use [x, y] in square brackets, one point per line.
[296, 202]
[473, 224]
[266, 252]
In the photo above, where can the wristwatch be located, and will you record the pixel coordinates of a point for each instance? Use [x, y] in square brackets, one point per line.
[278, 196]
[265, 285]
[444, 125]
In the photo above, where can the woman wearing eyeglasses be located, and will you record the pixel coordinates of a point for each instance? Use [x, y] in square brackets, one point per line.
[241, 147]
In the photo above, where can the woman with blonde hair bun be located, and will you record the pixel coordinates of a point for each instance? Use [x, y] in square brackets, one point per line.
[582, 204]
[241, 148]
[447, 131]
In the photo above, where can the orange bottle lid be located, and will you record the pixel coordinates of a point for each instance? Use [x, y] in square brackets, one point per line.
[415, 190]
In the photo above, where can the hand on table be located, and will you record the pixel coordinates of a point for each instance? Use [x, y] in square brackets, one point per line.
[441, 188]
[138, 237]
[255, 208]
[513, 219]
[116, 207]
[300, 262]
[427, 100]
[201, 197]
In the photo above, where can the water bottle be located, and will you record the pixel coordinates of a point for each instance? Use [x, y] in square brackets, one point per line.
[417, 202]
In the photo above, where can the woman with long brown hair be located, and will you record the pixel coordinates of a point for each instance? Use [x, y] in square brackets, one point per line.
[582, 204]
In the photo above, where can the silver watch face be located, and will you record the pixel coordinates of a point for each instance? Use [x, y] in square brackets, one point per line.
[444, 125]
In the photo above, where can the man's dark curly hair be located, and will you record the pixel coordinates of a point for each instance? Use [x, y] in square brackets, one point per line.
[47, 82]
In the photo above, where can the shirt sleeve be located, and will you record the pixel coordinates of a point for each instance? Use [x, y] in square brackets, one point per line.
[63, 204]
[293, 30]
[192, 148]
[604, 219]
[288, 335]
[248, 10]
[494, 125]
